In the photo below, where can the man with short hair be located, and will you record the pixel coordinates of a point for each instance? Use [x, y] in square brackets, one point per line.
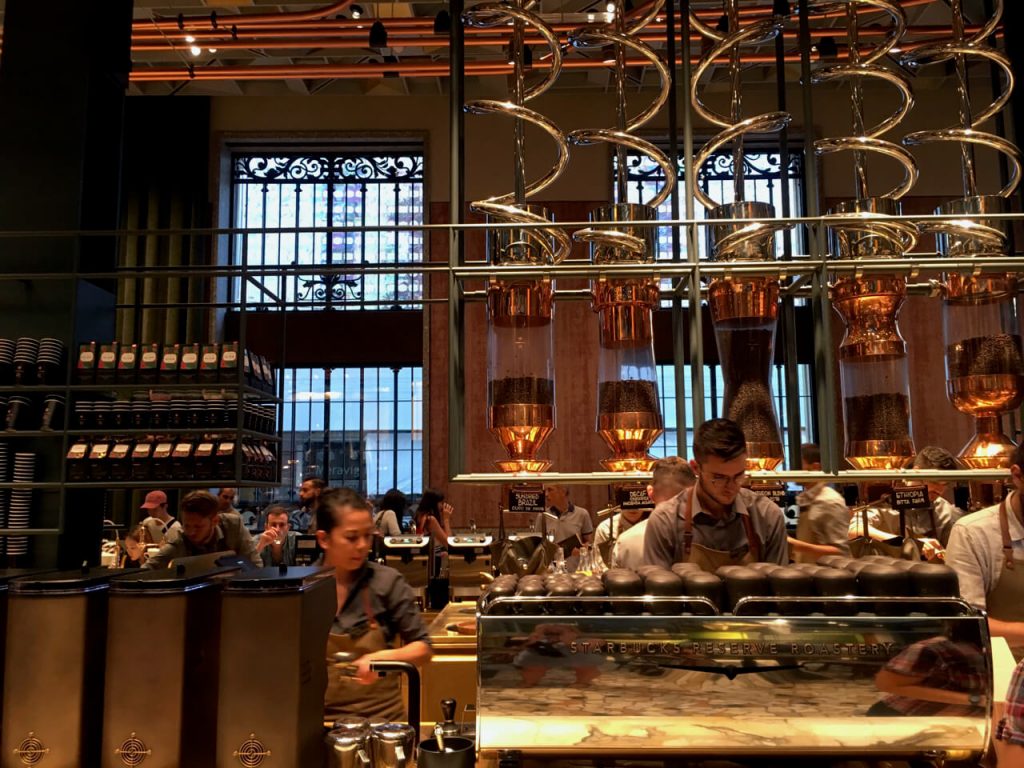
[226, 499]
[823, 527]
[570, 519]
[986, 549]
[277, 545]
[204, 530]
[159, 522]
[669, 477]
[717, 522]
[303, 519]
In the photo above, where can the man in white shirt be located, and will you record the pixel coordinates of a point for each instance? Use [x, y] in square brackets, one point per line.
[986, 549]
[160, 522]
[670, 477]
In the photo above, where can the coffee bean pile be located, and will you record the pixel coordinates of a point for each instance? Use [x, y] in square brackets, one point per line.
[884, 416]
[521, 389]
[751, 407]
[627, 396]
[986, 356]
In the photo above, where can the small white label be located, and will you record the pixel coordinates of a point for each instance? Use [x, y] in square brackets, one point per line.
[230, 356]
[210, 358]
[87, 357]
[107, 357]
[128, 358]
[189, 358]
[149, 357]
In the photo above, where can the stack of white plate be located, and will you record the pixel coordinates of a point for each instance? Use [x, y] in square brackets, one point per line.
[19, 511]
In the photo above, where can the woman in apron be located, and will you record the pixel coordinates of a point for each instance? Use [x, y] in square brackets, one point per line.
[375, 606]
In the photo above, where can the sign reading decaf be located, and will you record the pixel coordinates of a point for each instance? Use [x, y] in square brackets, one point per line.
[910, 497]
[633, 497]
[776, 492]
[526, 498]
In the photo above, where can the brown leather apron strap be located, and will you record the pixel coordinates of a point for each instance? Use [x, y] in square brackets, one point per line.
[688, 524]
[753, 540]
[1004, 529]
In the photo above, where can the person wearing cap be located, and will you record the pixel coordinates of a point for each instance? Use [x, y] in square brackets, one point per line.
[160, 522]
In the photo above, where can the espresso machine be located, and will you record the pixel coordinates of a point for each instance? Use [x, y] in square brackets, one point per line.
[409, 554]
[163, 646]
[469, 556]
[54, 668]
[273, 720]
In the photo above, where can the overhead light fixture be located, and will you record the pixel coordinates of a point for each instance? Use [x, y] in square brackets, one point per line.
[781, 8]
[378, 35]
[195, 50]
[356, 11]
[591, 18]
[609, 8]
[212, 50]
[827, 48]
[189, 39]
[442, 22]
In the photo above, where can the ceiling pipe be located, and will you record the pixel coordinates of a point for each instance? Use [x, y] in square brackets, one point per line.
[477, 38]
[408, 68]
[193, 24]
[253, 19]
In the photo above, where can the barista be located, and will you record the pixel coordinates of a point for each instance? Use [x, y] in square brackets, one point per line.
[669, 477]
[823, 527]
[375, 606]
[986, 549]
[717, 522]
[931, 526]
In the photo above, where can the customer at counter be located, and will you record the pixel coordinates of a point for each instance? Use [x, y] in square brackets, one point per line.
[986, 549]
[277, 545]
[718, 522]
[669, 477]
[391, 509]
[159, 522]
[303, 519]
[571, 520]
[134, 555]
[824, 522]
[375, 605]
[204, 531]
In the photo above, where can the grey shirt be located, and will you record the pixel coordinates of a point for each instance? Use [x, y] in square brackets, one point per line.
[386, 522]
[824, 519]
[663, 539]
[229, 534]
[382, 593]
[288, 550]
[609, 529]
[158, 529]
[575, 520]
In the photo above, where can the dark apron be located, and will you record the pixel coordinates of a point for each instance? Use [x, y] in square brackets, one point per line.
[1005, 601]
[379, 702]
[712, 559]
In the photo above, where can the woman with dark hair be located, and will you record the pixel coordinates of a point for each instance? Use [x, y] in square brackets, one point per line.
[390, 511]
[434, 519]
[375, 606]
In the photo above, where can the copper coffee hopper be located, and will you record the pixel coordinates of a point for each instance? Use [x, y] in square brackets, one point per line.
[744, 313]
[520, 386]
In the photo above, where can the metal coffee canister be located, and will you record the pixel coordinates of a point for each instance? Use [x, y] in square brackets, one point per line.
[348, 744]
[392, 745]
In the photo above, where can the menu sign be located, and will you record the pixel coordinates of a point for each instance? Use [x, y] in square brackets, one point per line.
[907, 497]
[526, 498]
[633, 497]
[775, 492]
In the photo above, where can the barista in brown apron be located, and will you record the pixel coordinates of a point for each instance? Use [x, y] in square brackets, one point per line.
[1005, 601]
[378, 702]
[712, 559]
